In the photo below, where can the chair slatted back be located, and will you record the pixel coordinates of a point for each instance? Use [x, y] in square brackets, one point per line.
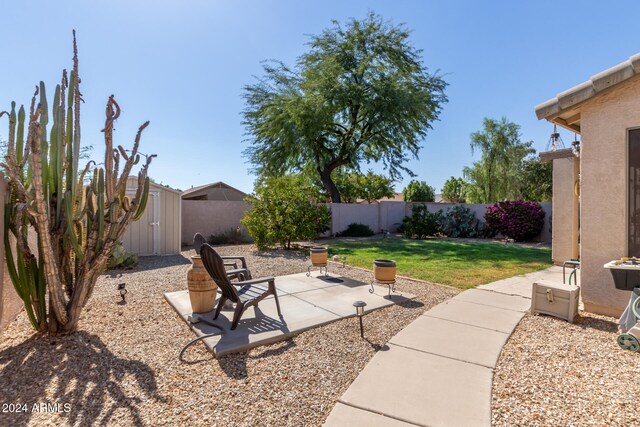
[198, 241]
[215, 267]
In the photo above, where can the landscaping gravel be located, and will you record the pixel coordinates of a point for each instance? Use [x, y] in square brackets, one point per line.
[553, 373]
[122, 367]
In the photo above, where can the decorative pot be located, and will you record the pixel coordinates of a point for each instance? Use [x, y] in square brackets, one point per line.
[318, 256]
[384, 270]
[202, 288]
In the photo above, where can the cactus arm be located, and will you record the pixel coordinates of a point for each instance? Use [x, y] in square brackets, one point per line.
[20, 139]
[143, 200]
[100, 210]
[71, 232]
[56, 294]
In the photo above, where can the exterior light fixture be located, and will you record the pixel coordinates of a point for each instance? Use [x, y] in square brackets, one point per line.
[555, 141]
[575, 146]
[360, 305]
[122, 290]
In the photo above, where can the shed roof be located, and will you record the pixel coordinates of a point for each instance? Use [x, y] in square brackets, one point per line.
[564, 108]
[218, 184]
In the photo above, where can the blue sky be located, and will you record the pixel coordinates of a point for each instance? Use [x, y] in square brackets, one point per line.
[182, 65]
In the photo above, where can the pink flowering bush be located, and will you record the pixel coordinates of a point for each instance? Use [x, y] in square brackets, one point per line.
[517, 220]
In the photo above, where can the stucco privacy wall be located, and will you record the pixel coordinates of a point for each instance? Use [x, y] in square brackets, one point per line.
[565, 210]
[10, 303]
[210, 217]
[605, 122]
[378, 216]
[479, 210]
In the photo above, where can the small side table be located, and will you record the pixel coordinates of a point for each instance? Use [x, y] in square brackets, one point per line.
[390, 283]
[573, 264]
[321, 266]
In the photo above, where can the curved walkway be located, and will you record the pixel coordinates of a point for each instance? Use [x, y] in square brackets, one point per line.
[438, 371]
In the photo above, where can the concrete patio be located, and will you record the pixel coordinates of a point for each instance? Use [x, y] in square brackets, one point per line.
[438, 371]
[306, 302]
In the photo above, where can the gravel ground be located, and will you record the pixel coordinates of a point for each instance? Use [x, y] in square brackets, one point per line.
[122, 367]
[552, 373]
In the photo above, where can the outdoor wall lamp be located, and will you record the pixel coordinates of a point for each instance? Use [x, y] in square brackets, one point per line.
[122, 290]
[360, 305]
[555, 141]
[575, 147]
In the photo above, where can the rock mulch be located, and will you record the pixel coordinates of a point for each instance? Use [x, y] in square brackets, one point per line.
[122, 367]
[552, 373]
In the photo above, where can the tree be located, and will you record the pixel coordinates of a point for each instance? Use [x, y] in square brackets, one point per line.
[76, 226]
[496, 176]
[537, 180]
[372, 187]
[418, 191]
[361, 93]
[454, 190]
[284, 209]
[354, 185]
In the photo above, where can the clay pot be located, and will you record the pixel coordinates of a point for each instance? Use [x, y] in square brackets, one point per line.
[384, 270]
[202, 288]
[318, 256]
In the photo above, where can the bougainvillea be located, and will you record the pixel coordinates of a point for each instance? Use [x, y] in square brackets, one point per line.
[517, 220]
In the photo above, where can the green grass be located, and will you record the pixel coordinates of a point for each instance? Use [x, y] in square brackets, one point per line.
[459, 264]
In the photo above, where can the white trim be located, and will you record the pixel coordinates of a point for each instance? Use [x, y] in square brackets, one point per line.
[156, 221]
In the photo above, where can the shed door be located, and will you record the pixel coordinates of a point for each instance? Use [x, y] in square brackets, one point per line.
[143, 236]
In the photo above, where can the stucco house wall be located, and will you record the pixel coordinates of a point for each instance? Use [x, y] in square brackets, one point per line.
[564, 240]
[605, 123]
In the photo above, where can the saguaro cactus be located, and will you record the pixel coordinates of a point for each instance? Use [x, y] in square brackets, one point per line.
[73, 227]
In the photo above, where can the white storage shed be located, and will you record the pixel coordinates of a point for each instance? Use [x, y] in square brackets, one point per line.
[158, 232]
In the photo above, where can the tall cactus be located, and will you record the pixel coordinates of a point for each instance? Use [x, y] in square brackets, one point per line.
[64, 230]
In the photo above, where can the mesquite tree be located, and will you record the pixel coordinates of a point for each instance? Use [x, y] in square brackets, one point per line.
[361, 94]
[74, 227]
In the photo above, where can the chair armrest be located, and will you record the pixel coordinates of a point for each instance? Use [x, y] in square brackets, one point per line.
[242, 259]
[254, 281]
[238, 273]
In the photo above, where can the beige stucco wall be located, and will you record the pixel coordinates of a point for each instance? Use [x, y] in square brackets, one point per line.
[210, 217]
[605, 121]
[10, 303]
[565, 210]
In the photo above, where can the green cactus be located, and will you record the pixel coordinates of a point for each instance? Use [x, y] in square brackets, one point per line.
[77, 226]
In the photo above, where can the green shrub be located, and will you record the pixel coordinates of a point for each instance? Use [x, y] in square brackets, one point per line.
[120, 258]
[421, 223]
[460, 221]
[232, 236]
[284, 209]
[356, 230]
[517, 220]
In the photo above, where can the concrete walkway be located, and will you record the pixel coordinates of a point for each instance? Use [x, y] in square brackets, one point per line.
[438, 371]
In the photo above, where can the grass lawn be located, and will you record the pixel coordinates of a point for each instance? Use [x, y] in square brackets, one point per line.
[460, 264]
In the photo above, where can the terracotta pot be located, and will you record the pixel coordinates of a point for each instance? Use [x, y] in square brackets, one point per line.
[318, 256]
[384, 270]
[202, 288]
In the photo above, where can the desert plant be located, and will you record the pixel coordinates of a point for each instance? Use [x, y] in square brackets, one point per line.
[120, 258]
[356, 230]
[460, 221]
[76, 227]
[516, 220]
[421, 223]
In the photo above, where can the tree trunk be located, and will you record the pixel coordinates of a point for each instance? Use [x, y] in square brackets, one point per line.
[329, 185]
